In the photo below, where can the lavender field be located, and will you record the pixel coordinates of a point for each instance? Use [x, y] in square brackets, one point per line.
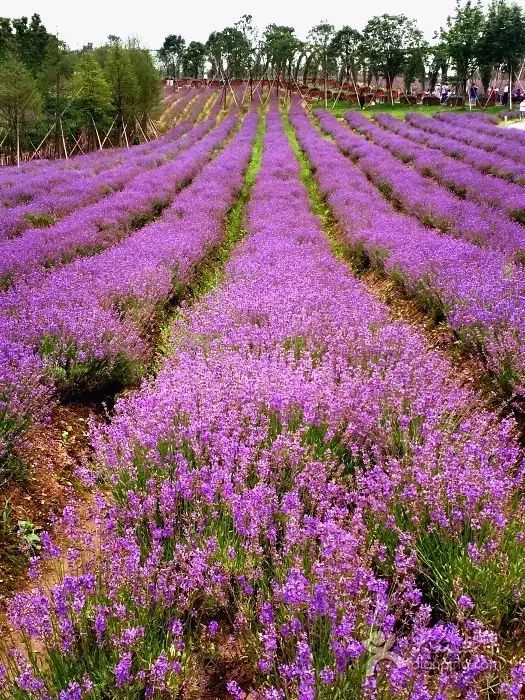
[295, 485]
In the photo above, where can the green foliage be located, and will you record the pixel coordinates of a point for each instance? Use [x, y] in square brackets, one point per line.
[229, 52]
[20, 102]
[149, 86]
[28, 533]
[123, 84]
[40, 220]
[502, 42]
[53, 77]
[28, 40]
[12, 428]
[438, 63]
[90, 94]
[171, 53]
[280, 46]
[388, 42]
[345, 48]
[74, 376]
[462, 38]
[320, 40]
[194, 60]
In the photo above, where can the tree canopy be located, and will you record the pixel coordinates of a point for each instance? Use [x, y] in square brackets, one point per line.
[48, 89]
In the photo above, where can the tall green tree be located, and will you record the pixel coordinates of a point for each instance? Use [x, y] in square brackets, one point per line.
[414, 65]
[279, 47]
[6, 37]
[55, 73]
[20, 103]
[172, 52]
[194, 60]
[245, 26]
[346, 49]
[387, 43]
[438, 60]
[124, 88]
[502, 43]
[229, 52]
[31, 40]
[91, 97]
[462, 39]
[320, 38]
[149, 84]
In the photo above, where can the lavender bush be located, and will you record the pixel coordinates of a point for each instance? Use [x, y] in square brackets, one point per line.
[42, 198]
[461, 178]
[507, 143]
[85, 325]
[94, 227]
[424, 198]
[280, 487]
[444, 137]
[474, 289]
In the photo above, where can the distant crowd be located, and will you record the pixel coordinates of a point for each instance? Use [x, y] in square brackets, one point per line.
[445, 93]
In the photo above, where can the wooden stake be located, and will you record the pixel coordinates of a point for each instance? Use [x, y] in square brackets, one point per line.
[63, 139]
[125, 133]
[106, 137]
[76, 144]
[96, 131]
[142, 130]
[17, 144]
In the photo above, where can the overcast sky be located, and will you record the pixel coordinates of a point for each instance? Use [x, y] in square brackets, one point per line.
[78, 23]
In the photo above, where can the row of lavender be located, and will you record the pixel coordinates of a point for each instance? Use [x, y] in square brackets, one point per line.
[41, 199]
[443, 137]
[177, 103]
[9, 176]
[495, 197]
[425, 199]
[481, 296]
[83, 326]
[302, 483]
[480, 132]
[100, 224]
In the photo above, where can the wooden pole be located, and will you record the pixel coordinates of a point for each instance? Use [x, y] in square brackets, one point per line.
[76, 144]
[63, 139]
[152, 126]
[17, 144]
[96, 131]
[125, 133]
[142, 130]
[42, 142]
[325, 68]
[106, 137]
[232, 92]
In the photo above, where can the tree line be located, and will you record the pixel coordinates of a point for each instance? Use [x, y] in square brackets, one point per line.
[473, 42]
[59, 102]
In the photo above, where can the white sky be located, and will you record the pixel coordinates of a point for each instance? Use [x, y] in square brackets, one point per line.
[78, 23]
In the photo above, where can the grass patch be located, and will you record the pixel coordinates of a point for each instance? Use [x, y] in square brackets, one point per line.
[398, 110]
[40, 220]
[209, 271]
[318, 203]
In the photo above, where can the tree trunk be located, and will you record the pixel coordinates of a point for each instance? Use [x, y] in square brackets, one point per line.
[17, 142]
[306, 69]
